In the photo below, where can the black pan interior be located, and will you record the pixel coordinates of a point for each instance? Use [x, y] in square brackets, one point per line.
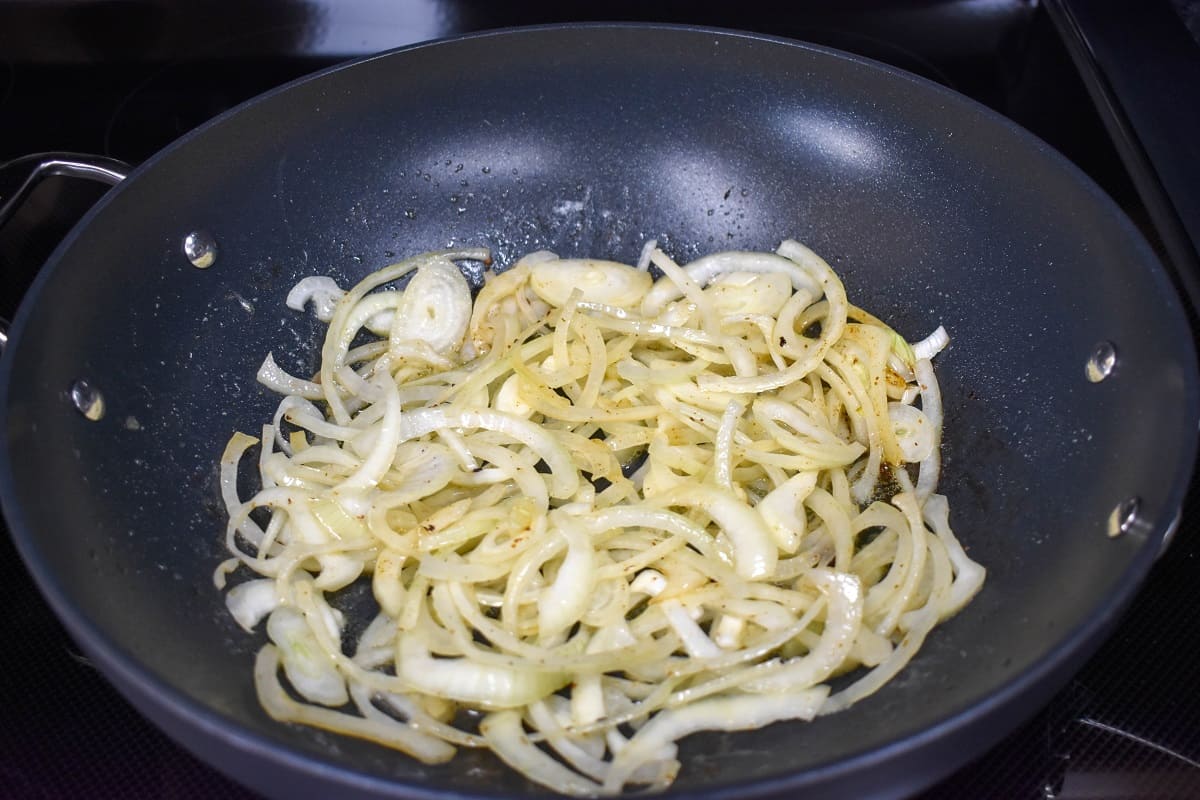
[588, 141]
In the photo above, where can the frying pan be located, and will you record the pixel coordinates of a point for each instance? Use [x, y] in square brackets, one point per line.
[1070, 386]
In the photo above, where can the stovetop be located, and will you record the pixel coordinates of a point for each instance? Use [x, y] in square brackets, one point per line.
[125, 78]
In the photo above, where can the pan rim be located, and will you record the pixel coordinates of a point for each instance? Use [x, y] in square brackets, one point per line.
[117, 661]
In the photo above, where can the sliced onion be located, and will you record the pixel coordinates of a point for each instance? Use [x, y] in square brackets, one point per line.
[273, 377]
[508, 399]
[251, 601]
[643, 262]
[914, 432]
[309, 669]
[968, 574]
[383, 452]
[564, 479]
[386, 583]
[598, 281]
[587, 700]
[565, 600]
[320, 290]
[694, 640]
[237, 446]
[704, 270]
[506, 736]
[281, 707]
[754, 549]
[931, 406]
[436, 308]
[583, 753]
[457, 488]
[783, 510]
[749, 293]
[843, 618]
[831, 329]
[486, 686]
[713, 714]
[931, 345]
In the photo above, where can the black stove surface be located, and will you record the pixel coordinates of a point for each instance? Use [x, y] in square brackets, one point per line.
[126, 77]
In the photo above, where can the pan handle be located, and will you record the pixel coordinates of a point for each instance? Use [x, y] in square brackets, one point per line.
[31, 170]
[28, 171]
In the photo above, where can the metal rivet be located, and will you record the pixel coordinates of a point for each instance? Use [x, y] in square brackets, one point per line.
[1101, 362]
[200, 248]
[87, 400]
[1124, 516]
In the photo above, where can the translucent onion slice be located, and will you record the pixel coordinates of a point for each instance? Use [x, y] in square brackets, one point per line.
[486, 686]
[783, 510]
[505, 734]
[913, 430]
[273, 377]
[968, 574]
[843, 618]
[250, 602]
[565, 600]
[931, 345]
[755, 554]
[283, 708]
[598, 281]
[309, 668]
[931, 406]
[436, 308]
[452, 466]
[832, 327]
[339, 336]
[320, 290]
[712, 714]
[703, 270]
[564, 479]
[695, 640]
[749, 293]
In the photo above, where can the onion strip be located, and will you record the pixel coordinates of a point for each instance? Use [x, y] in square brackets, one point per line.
[476, 466]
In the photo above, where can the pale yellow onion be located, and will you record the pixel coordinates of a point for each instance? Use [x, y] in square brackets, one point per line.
[844, 603]
[435, 309]
[931, 345]
[564, 479]
[737, 293]
[599, 281]
[238, 444]
[566, 599]
[309, 669]
[721, 713]
[504, 732]
[491, 686]
[754, 551]
[250, 602]
[694, 640]
[281, 707]
[723, 602]
[968, 574]
[707, 268]
[931, 406]
[913, 430]
[275, 378]
[783, 511]
[334, 349]
[584, 754]
[320, 290]
[508, 399]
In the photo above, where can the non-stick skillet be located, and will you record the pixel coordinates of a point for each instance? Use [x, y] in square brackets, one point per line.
[1070, 385]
